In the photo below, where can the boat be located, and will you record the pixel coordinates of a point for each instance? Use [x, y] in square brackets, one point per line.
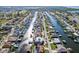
[57, 41]
[57, 32]
[60, 35]
[76, 41]
[64, 41]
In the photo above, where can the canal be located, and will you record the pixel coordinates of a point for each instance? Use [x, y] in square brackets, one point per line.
[70, 43]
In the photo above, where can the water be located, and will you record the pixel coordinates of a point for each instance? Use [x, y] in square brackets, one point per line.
[70, 42]
[73, 11]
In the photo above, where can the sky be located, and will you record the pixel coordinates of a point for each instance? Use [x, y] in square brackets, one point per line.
[39, 3]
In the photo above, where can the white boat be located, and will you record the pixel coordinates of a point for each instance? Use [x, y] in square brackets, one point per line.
[60, 35]
[76, 41]
[64, 41]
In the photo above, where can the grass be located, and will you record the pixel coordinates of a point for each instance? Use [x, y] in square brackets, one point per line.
[46, 45]
[77, 26]
[0, 37]
[53, 46]
[77, 16]
[32, 48]
[70, 18]
[3, 21]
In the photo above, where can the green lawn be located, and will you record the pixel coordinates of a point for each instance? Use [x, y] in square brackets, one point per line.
[3, 21]
[53, 46]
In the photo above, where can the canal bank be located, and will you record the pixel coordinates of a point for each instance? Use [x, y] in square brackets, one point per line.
[59, 29]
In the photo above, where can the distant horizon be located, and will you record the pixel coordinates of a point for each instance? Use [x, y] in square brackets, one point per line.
[72, 6]
[41, 6]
